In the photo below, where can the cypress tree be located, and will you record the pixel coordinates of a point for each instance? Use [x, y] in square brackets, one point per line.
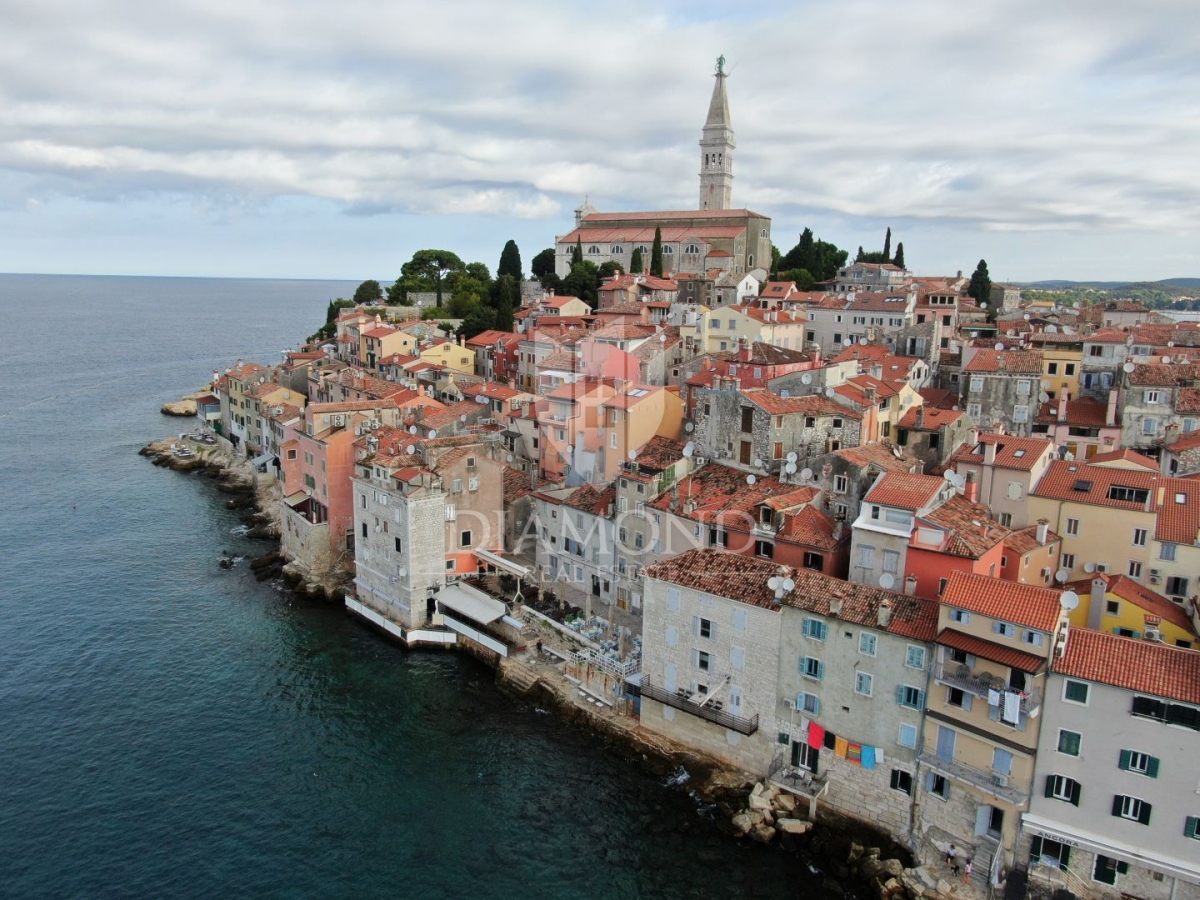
[981, 283]
[656, 265]
[860, 254]
[636, 264]
[899, 260]
[887, 244]
[510, 261]
[577, 253]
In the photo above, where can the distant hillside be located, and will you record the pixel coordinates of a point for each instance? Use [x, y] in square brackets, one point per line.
[1172, 293]
[1114, 286]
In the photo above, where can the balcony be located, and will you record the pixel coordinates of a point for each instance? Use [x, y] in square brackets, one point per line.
[960, 676]
[683, 700]
[992, 783]
[764, 529]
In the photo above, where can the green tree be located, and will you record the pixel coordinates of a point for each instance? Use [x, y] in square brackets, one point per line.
[981, 284]
[577, 253]
[804, 279]
[369, 293]
[477, 321]
[510, 261]
[820, 258]
[506, 296]
[543, 263]
[898, 262]
[479, 272]
[609, 268]
[583, 282]
[636, 264]
[426, 271]
[656, 263]
[887, 245]
[776, 259]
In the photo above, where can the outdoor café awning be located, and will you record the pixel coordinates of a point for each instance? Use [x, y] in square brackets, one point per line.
[504, 565]
[294, 500]
[475, 605]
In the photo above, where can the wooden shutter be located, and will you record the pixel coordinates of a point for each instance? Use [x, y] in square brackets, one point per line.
[1126, 755]
[1116, 807]
[1152, 767]
[1075, 791]
[1144, 813]
[1050, 786]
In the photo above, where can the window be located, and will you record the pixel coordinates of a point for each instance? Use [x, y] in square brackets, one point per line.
[1152, 397]
[938, 785]
[1060, 787]
[891, 561]
[465, 539]
[399, 545]
[1171, 713]
[703, 661]
[1073, 527]
[863, 683]
[976, 384]
[901, 781]
[914, 657]
[764, 548]
[1068, 560]
[1106, 870]
[867, 643]
[1075, 692]
[961, 616]
[1004, 629]
[739, 620]
[912, 697]
[1135, 569]
[1139, 763]
[815, 629]
[737, 658]
[1167, 552]
[1034, 638]
[1191, 828]
[908, 736]
[1068, 742]
[958, 697]
[1131, 808]
[1139, 537]
[866, 556]
[456, 487]
[811, 667]
[1177, 585]
[808, 703]
[1149, 425]
[840, 484]
[705, 628]
[805, 757]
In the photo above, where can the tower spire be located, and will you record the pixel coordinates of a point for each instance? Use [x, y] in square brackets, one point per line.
[716, 148]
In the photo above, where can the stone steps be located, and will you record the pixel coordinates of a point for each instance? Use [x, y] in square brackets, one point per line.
[520, 676]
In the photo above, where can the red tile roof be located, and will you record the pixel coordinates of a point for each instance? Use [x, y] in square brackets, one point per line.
[720, 495]
[1082, 483]
[1131, 664]
[970, 532]
[1012, 362]
[1163, 375]
[1006, 656]
[1024, 540]
[912, 617]
[811, 527]
[1129, 456]
[659, 453]
[1012, 452]
[810, 405]
[590, 500]
[930, 419]
[1024, 604]
[741, 578]
[1178, 519]
[1086, 412]
[1127, 589]
[905, 490]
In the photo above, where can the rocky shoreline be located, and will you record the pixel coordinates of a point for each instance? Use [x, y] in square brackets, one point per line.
[740, 808]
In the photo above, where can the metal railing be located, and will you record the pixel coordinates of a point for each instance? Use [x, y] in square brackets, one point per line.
[683, 702]
[992, 783]
[954, 675]
[619, 668]
[796, 780]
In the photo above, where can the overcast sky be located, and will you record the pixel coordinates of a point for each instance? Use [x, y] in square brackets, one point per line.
[331, 140]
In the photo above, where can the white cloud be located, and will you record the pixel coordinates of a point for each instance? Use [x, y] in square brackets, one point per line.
[1017, 118]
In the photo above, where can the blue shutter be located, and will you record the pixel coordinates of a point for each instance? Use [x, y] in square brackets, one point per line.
[900, 694]
[816, 712]
[820, 671]
[920, 699]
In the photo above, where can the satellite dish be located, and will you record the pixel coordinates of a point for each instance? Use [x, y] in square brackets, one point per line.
[1028, 317]
[1166, 360]
[846, 342]
[788, 584]
[1170, 343]
[806, 474]
[999, 346]
[948, 475]
[1043, 397]
[887, 581]
[508, 458]
[758, 464]
[689, 427]
[463, 417]
[633, 454]
[750, 479]
[480, 398]
[792, 457]
[412, 429]
[774, 582]
[862, 341]
[983, 306]
[1062, 575]
[829, 392]
[790, 468]
[402, 571]
[662, 338]
[1128, 367]
[410, 449]
[955, 408]
[1069, 600]
[689, 449]
[432, 433]
[806, 378]
[1089, 567]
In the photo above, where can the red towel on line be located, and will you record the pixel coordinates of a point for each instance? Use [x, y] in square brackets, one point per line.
[816, 735]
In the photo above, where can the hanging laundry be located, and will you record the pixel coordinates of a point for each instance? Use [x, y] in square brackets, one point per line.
[868, 757]
[1012, 706]
[840, 745]
[816, 735]
[854, 754]
[993, 697]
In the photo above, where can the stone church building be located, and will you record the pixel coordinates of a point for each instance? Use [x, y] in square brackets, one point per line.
[711, 237]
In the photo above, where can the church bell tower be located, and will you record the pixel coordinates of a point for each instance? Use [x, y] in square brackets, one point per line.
[716, 148]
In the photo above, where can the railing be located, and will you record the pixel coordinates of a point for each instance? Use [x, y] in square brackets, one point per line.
[764, 529]
[978, 685]
[1060, 876]
[683, 701]
[795, 780]
[619, 668]
[989, 782]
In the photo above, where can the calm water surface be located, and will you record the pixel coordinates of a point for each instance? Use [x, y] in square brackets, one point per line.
[172, 729]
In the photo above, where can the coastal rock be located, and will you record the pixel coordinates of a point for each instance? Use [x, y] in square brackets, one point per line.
[794, 826]
[944, 887]
[764, 834]
[893, 867]
[742, 823]
[759, 801]
[856, 851]
[870, 867]
[785, 802]
[184, 408]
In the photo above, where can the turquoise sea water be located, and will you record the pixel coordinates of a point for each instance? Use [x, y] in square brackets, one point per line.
[172, 729]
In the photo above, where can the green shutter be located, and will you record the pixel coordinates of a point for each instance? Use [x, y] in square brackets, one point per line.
[1125, 756]
[1192, 827]
[1144, 814]
[1152, 767]
[1075, 791]
[1049, 786]
[920, 699]
[1116, 807]
[1035, 849]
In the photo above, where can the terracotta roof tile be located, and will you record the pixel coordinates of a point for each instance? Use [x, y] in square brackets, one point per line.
[1012, 452]
[811, 527]
[1132, 664]
[911, 617]
[924, 418]
[1178, 519]
[971, 533]
[725, 574]
[1086, 412]
[1083, 483]
[590, 500]
[1011, 362]
[1024, 604]
[905, 490]
[1006, 656]
[1124, 456]
[810, 405]
[1024, 540]
[1127, 589]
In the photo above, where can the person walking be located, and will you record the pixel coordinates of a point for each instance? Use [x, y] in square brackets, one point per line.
[966, 871]
[952, 859]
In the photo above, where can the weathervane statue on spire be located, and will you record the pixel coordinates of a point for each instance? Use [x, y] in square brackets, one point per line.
[721, 64]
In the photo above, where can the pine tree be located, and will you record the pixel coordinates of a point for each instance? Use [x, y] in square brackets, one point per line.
[898, 262]
[859, 258]
[887, 245]
[636, 264]
[510, 261]
[656, 263]
[981, 283]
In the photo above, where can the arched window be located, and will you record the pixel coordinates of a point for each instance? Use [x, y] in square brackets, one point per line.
[692, 248]
[593, 250]
[763, 233]
[617, 248]
[668, 250]
[750, 261]
[643, 248]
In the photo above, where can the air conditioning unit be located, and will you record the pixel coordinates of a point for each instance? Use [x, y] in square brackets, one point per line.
[1155, 573]
[373, 424]
[1102, 568]
[1155, 579]
[999, 780]
[789, 703]
[1153, 634]
[338, 420]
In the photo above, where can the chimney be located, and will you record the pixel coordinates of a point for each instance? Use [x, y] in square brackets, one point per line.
[1096, 602]
[885, 613]
[971, 488]
[910, 585]
[1043, 530]
[835, 605]
[1062, 405]
[920, 416]
[1110, 413]
[839, 528]
[989, 453]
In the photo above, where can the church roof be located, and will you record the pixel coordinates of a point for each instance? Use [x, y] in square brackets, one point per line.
[718, 107]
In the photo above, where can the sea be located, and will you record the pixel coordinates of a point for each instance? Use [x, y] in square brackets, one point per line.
[169, 728]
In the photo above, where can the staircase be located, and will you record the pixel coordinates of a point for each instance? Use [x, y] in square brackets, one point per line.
[986, 849]
[520, 677]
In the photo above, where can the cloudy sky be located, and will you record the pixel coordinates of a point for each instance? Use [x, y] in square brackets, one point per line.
[316, 139]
